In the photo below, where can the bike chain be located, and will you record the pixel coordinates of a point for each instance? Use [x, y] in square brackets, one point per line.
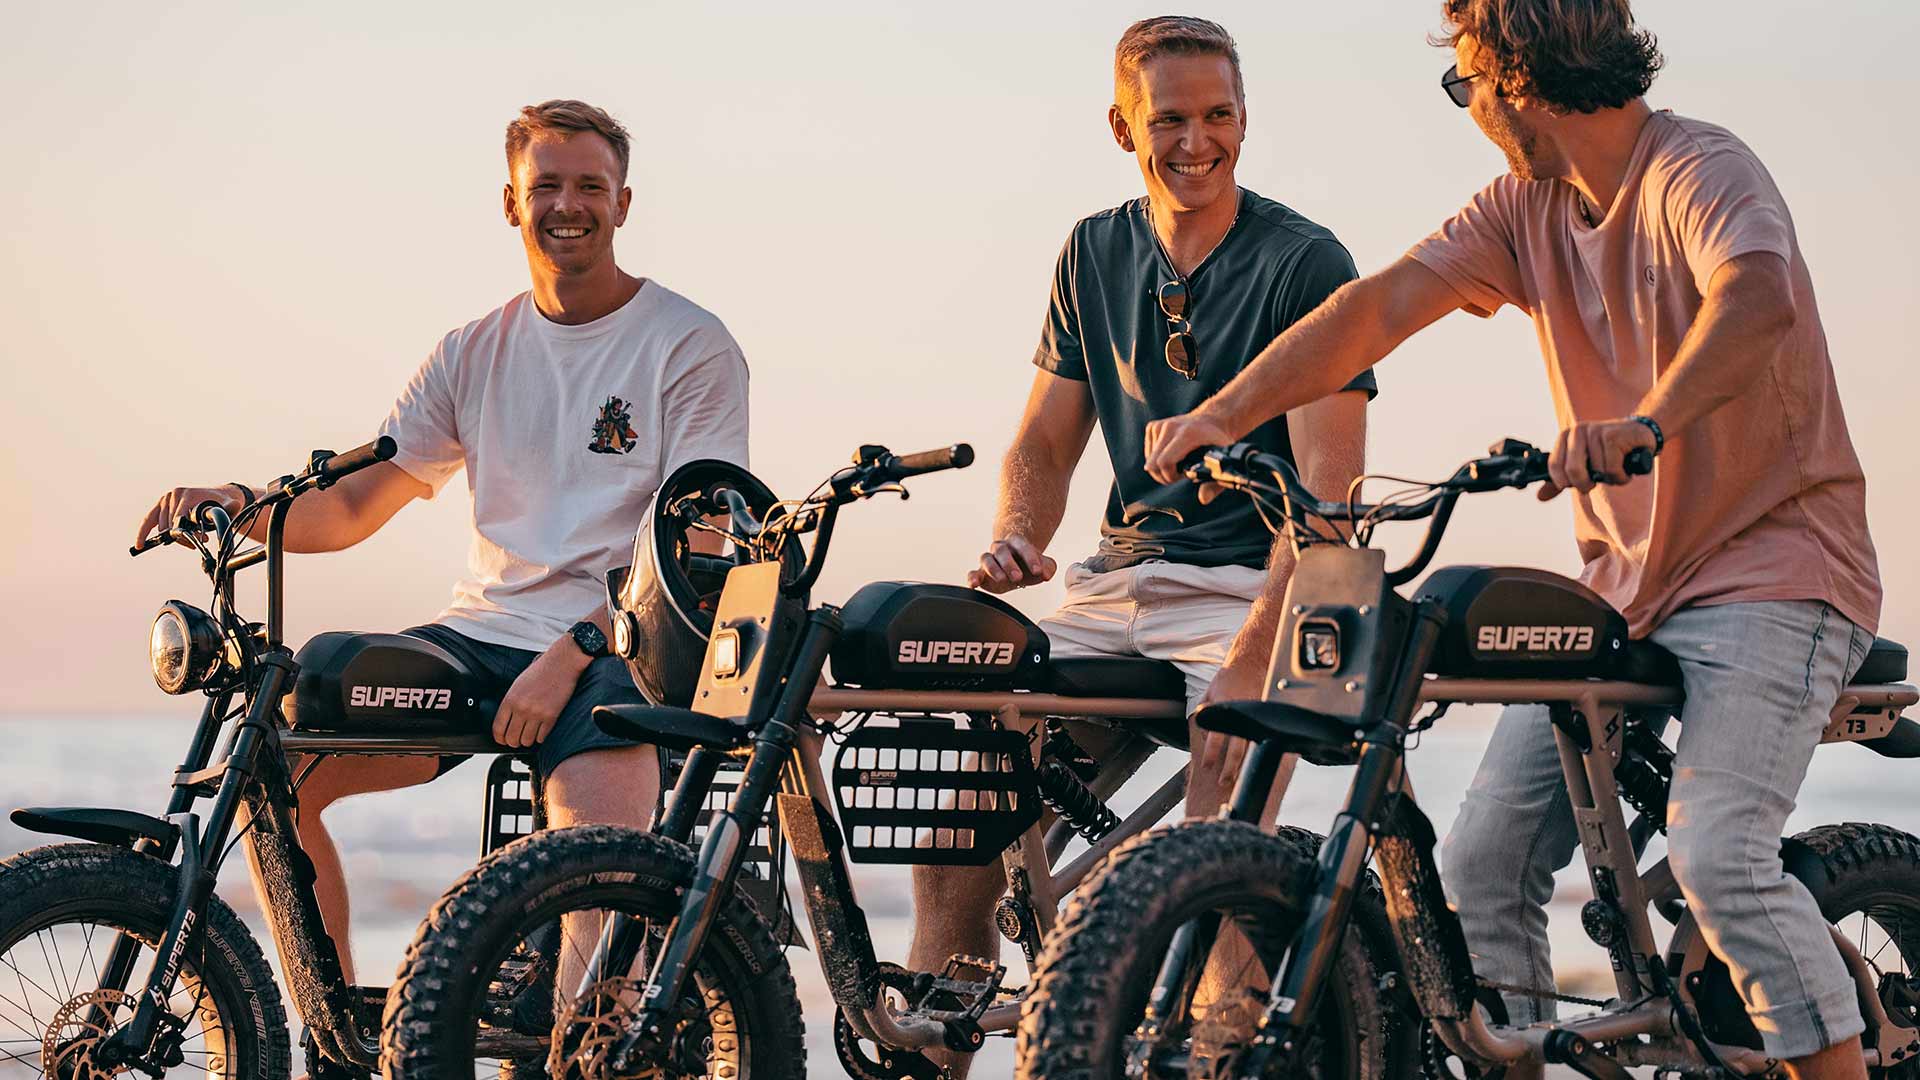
[1541, 995]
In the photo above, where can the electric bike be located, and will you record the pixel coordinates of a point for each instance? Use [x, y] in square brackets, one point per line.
[943, 733]
[115, 953]
[1353, 662]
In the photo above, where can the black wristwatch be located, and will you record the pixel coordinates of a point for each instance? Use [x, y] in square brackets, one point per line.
[589, 638]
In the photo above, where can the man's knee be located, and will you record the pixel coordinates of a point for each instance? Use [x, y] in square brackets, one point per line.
[1478, 850]
[1709, 864]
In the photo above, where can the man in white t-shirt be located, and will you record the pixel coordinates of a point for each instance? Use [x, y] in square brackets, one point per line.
[567, 406]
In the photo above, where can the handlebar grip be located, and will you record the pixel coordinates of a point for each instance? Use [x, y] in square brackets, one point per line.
[957, 456]
[738, 509]
[340, 465]
[1639, 461]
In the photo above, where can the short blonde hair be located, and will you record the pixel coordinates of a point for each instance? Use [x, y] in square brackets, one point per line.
[1168, 35]
[568, 116]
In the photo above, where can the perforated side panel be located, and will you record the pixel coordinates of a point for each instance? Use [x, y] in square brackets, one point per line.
[512, 804]
[928, 792]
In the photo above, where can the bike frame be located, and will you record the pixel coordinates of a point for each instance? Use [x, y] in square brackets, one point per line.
[783, 769]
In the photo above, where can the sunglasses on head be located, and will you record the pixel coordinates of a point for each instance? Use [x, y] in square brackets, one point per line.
[1182, 355]
[1455, 84]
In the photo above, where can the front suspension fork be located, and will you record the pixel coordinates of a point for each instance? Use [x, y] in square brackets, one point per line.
[724, 849]
[145, 1037]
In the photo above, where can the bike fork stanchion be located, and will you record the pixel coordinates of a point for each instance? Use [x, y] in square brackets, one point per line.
[117, 971]
[1343, 856]
[621, 938]
[725, 846]
[1191, 945]
[199, 864]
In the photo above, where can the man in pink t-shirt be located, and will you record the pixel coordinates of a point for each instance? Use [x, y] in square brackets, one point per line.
[1659, 264]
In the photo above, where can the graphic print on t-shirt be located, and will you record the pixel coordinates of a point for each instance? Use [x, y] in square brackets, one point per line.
[613, 433]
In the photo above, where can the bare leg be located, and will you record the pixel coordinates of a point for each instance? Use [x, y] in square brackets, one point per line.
[1841, 1061]
[333, 779]
[1231, 966]
[953, 915]
[612, 786]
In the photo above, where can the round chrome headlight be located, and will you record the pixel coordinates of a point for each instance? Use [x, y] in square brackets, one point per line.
[184, 648]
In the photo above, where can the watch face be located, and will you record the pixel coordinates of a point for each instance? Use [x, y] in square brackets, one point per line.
[590, 639]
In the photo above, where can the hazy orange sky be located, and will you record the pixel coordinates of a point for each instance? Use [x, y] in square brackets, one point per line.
[238, 228]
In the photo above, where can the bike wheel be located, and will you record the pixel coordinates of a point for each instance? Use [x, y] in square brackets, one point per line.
[474, 996]
[1082, 1019]
[62, 908]
[1866, 879]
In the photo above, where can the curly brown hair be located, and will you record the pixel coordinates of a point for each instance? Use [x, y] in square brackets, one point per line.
[1572, 55]
[567, 116]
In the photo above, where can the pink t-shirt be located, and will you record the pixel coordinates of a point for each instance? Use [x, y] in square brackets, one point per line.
[1763, 499]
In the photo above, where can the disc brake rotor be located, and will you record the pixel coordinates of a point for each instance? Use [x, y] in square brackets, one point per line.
[1224, 1030]
[590, 1029]
[67, 1048]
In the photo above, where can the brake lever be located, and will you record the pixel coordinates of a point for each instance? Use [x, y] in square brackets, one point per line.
[891, 487]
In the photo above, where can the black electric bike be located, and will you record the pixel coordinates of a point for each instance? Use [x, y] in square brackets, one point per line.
[1353, 661]
[944, 732]
[115, 954]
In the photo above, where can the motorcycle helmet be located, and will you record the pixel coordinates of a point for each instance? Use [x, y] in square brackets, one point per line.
[662, 606]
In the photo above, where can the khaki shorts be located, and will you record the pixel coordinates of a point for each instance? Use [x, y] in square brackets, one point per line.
[1187, 615]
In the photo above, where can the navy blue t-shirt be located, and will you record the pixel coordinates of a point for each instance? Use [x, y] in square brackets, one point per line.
[1105, 327]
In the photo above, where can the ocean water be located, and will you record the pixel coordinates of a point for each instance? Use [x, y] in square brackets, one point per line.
[403, 848]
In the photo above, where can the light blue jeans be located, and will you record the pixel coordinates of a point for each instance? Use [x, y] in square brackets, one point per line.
[1760, 679]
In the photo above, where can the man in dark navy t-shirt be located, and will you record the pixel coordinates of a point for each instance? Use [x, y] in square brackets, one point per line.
[1156, 305]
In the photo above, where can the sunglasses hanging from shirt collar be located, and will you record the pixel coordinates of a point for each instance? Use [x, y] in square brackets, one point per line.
[1182, 355]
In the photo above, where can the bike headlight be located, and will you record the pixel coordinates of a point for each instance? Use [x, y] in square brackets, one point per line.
[184, 648]
[726, 653]
[1319, 645]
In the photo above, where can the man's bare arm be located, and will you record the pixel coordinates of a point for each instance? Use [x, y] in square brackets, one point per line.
[330, 520]
[1034, 479]
[1361, 322]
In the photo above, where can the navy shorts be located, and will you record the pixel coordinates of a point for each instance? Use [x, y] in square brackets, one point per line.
[605, 682]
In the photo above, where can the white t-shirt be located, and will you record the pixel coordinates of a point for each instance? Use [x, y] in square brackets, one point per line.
[565, 433]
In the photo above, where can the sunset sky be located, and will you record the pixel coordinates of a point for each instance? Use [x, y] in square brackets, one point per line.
[237, 229]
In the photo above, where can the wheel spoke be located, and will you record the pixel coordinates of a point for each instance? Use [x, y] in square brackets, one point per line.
[24, 983]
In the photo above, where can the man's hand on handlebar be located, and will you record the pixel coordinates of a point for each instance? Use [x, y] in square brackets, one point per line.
[1591, 453]
[182, 502]
[1171, 441]
[1011, 563]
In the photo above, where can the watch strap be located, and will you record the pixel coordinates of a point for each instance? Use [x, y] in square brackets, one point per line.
[1659, 437]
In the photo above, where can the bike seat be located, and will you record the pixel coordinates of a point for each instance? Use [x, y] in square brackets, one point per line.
[1113, 676]
[1649, 664]
[1646, 662]
[1886, 662]
[1323, 740]
[663, 725]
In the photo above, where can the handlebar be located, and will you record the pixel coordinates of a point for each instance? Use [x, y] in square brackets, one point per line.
[324, 469]
[741, 514]
[329, 470]
[891, 467]
[1509, 464]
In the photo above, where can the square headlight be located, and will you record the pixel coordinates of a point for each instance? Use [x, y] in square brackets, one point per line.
[1319, 646]
[726, 653]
